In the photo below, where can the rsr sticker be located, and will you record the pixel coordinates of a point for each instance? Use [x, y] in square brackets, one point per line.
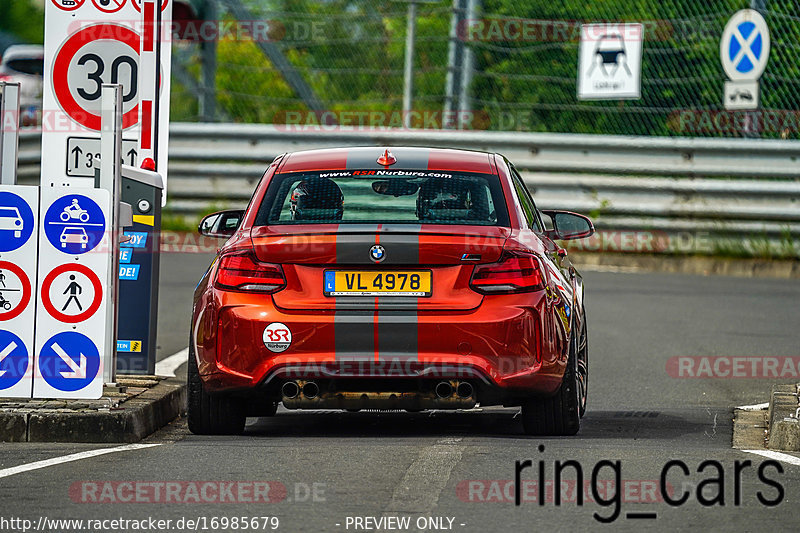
[277, 337]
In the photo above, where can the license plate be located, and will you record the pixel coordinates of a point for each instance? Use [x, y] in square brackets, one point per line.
[368, 283]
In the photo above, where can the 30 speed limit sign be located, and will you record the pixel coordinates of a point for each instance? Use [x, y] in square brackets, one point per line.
[89, 43]
[98, 54]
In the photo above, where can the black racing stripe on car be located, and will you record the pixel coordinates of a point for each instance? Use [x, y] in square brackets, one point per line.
[398, 332]
[407, 158]
[401, 249]
[354, 331]
[353, 242]
[398, 336]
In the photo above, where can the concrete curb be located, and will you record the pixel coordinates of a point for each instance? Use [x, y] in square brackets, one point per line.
[784, 425]
[134, 420]
[704, 266]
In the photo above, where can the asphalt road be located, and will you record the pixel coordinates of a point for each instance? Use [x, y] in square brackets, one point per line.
[327, 470]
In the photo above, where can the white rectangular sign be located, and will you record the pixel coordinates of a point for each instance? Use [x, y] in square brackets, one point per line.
[19, 219]
[74, 259]
[84, 155]
[610, 61]
[88, 43]
[741, 95]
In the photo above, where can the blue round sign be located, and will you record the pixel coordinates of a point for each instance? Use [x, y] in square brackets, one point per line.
[13, 360]
[74, 224]
[69, 361]
[16, 221]
[745, 46]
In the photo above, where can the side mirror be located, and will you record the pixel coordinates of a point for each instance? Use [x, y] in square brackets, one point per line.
[568, 226]
[221, 225]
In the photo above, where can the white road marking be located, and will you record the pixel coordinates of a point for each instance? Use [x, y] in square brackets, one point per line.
[754, 407]
[166, 367]
[6, 472]
[419, 490]
[778, 456]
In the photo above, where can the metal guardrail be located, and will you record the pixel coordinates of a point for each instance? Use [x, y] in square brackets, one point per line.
[735, 187]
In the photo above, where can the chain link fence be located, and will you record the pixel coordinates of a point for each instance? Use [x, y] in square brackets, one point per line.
[287, 61]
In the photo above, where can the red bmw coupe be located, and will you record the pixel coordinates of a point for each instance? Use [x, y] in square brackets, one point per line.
[399, 278]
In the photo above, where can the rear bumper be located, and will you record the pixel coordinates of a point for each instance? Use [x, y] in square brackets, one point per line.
[497, 348]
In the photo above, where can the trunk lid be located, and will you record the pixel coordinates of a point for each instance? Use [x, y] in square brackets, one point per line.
[448, 252]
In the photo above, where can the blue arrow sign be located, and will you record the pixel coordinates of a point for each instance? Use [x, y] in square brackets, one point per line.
[13, 360]
[16, 221]
[74, 224]
[69, 361]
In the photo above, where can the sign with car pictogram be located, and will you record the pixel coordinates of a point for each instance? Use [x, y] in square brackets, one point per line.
[19, 208]
[610, 61]
[744, 53]
[74, 278]
[68, 5]
[74, 224]
[85, 48]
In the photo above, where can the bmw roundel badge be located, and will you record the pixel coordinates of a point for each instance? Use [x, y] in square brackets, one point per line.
[377, 253]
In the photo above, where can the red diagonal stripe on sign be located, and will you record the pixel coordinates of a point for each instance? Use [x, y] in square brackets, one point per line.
[149, 27]
[147, 125]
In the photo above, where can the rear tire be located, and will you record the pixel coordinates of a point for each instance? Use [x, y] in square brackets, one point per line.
[560, 414]
[211, 414]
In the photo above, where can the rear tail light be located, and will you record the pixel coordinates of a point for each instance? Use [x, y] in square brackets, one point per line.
[513, 273]
[242, 272]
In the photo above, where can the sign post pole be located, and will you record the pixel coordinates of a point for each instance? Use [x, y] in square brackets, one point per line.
[110, 180]
[9, 132]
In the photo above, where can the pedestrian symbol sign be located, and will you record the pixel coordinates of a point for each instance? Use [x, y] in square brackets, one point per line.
[69, 362]
[745, 45]
[72, 293]
[74, 224]
[15, 290]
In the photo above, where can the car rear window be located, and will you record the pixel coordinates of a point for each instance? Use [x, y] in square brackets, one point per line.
[384, 197]
[27, 66]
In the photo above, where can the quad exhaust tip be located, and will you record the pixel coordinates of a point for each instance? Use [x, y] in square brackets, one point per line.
[464, 390]
[444, 389]
[310, 390]
[290, 389]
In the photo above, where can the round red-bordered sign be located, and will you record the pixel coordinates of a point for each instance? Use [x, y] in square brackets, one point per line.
[71, 6]
[139, 7]
[111, 6]
[70, 49]
[81, 269]
[26, 291]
